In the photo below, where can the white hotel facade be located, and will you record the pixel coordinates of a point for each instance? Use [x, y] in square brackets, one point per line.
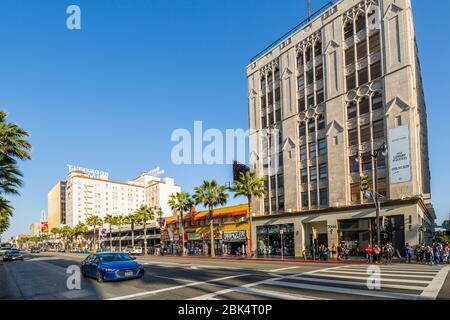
[88, 195]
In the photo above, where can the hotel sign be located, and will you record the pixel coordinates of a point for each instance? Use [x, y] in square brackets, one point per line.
[399, 155]
[96, 174]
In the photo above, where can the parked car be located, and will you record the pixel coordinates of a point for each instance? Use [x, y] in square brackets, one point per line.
[12, 255]
[35, 250]
[111, 266]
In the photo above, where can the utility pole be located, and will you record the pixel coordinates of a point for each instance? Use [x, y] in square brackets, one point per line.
[309, 9]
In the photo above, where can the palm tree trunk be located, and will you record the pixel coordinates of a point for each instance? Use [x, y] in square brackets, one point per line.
[95, 231]
[99, 238]
[132, 234]
[182, 233]
[145, 238]
[250, 221]
[120, 238]
[211, 231]
[110, 238]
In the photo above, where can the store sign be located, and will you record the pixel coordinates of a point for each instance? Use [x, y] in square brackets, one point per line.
[399, 155]
[234, 236]
[194, 236]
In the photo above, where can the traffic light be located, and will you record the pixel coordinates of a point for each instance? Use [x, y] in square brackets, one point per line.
[364, 185]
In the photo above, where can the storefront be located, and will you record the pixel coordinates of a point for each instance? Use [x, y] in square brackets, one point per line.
[234, 242]
[272, 239]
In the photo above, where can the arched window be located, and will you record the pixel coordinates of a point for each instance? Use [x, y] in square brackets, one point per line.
[348, 30]
[360, 23]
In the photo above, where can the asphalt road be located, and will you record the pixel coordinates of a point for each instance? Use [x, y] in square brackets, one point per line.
[44, 277]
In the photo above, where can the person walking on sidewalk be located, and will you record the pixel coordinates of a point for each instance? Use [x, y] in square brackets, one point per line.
[437, 254]
[369, 253]
[408, 253]
[389, 251]
[377, 254]
[446, 253]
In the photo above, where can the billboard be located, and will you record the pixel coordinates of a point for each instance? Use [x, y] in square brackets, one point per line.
[399, 155]
[44, 227]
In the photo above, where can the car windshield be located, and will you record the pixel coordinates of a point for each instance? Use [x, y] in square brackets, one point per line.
[111, 257]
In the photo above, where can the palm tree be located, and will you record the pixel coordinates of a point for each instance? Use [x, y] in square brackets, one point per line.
[131, 219]
[109, 219]
[56, 232]
[180, 202]
[249, 185]
[79, 230]
[145, 214]
[13, 146]
[67, 233]
[119, 221]
[210, 194]
[94, 221]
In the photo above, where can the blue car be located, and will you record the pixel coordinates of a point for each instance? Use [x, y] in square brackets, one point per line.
[111, 266]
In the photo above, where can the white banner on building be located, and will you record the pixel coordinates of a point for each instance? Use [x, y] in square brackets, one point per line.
[399, 155]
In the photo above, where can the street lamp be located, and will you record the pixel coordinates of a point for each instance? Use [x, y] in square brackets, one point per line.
[282, 246]
[383, 149]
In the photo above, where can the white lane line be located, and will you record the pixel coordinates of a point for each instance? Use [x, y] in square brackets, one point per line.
[283, 269]
[401, 275]
[394, 271]
[171, 278]
[362, 284]
[399, 268]
[146, 293]
[379, 294]
[435, 286]
[366, 278]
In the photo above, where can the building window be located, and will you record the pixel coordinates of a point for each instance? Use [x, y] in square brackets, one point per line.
[280, 160]
[323, 171]
[351, 81]
[319, 73]
[300, 60]
[310, 77]
[348, 30]
[277, 95]
[308, 55]
[323, 197]
[365, 133]
[354, 165]
[302, 153]
[381, 187]
[353, 137]
[274, 204]
[350, 56]
[318, 49]
[313, 174]
[378, 129]
[281, 203]
[360, 23]
[266, 205]
[351, 111]
[278, 115]
[366, 162]
[305, 202]
[311, 126]
[263, 85]
[322, 147]
[301, 104]
[398, 121]
[314, 197]
[374, 43]
[377, 102]
[362, 50]
[280, 179]
[364, 107]
[311, 102]
[304, 176]
[355, 193]
[272, 184]
[375, 70]
[302, 129]
[320, 122]
[320, 96]
[312, 150]
[363, 76]
[301, 83]
[381, 161]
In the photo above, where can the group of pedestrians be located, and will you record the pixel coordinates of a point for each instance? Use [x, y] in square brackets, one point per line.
[375, 254]
[436, 253]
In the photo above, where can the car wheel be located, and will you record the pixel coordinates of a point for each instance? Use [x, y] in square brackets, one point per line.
[99, 277]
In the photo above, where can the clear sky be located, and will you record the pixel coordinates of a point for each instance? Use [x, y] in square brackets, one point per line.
[110, 95]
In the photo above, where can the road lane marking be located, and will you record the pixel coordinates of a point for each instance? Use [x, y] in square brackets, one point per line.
[171, 278]
[366, 278]
[394, 271]
[141, 294]
[401, 275]
[283, 269]
[435, 286]
[379, 294]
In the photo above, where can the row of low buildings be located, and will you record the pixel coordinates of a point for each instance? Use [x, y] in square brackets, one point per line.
[336, 90]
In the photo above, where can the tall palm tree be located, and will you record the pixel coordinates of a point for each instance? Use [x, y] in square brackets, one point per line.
[131, 219]
[67, 234]
[119, 221]
[13, 146]
[109, 219]
[56, 232]
[145, 214]
[181, 202]
[80, 230]
[249, 185]
[210, 194]
[94, 221]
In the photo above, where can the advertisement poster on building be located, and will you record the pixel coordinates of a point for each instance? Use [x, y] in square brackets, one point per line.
[399, 155]
[44, 227]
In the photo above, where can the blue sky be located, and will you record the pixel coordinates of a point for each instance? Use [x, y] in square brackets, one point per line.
[110, 95]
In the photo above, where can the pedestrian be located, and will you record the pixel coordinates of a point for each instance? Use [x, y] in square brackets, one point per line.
[437, 254]
[377, 254]
[339, 252]
[408, 253]
[389, 251]
[326, 252]
[369, 253]
[446, 253]
[428, 254]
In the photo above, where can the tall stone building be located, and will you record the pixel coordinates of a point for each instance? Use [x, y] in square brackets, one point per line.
[343, 94]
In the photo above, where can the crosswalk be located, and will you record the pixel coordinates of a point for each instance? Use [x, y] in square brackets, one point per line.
[349, 282]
